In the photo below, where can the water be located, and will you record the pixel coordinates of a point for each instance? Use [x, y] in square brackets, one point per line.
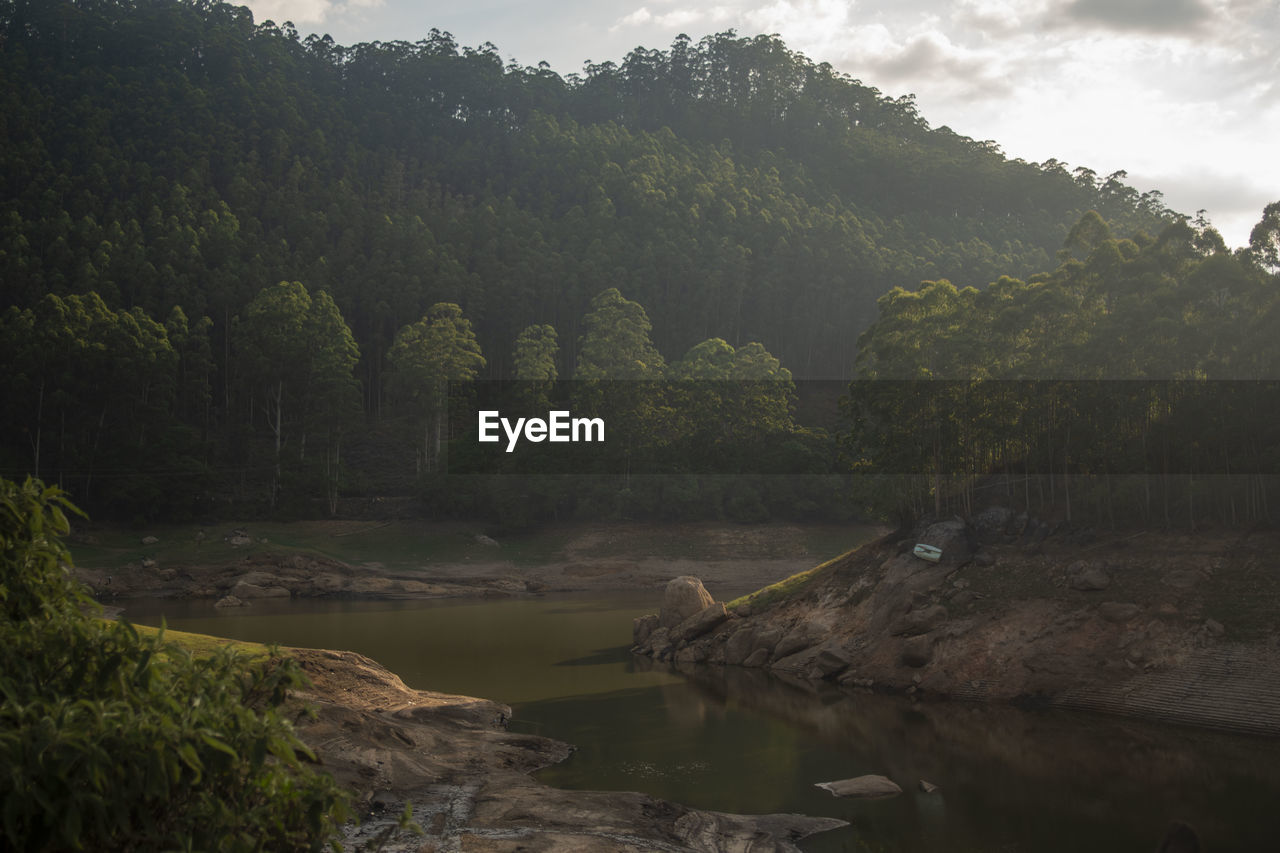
[739, 740]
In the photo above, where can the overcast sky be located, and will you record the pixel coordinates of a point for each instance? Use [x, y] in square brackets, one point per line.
[1184, 95]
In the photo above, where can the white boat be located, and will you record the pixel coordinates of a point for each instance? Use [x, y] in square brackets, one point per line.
[928, 552]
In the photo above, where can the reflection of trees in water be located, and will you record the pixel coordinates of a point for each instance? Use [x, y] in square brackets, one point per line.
[1124, 778]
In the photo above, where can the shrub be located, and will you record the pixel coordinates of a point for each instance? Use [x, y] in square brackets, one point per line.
[111, 740]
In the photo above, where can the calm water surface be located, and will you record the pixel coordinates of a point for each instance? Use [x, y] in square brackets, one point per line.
[738, 740]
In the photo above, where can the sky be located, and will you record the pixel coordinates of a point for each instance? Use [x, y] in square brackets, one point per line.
[1183, 95]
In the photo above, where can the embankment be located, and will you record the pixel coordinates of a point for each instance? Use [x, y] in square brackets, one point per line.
[1181, 628]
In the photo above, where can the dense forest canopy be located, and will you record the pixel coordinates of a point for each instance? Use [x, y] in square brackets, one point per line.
[187, 195]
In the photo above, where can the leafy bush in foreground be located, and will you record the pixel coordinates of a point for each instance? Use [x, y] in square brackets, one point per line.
[110, 740]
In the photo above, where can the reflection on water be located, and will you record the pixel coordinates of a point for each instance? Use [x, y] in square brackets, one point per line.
[731, 739]
[510, 650]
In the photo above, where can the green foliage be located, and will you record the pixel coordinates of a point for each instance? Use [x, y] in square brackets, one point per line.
[1177, 314]
[295, 355]
[176, 153]
[112, 740]
[425, 357]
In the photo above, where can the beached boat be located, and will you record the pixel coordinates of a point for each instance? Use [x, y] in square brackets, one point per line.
[928, 552]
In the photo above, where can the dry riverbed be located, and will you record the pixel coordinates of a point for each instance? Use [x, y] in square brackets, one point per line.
[237, 564]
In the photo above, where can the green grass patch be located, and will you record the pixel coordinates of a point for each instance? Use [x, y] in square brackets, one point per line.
[787, 587]
[203, 645]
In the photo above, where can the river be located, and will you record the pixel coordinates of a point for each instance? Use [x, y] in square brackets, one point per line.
[729, 739]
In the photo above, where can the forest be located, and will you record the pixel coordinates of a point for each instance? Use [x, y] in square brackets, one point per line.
[244, 271]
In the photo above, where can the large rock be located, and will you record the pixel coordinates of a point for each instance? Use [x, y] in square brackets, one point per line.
[870, 787]
[951, 538]
[797, 639]
[991, 523]
[684, 597]
[831, 662]
[699, 623]
[642, 628]
[741, 644]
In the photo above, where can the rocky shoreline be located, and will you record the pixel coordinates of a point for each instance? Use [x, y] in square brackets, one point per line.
[1177, 628]
[468, 779]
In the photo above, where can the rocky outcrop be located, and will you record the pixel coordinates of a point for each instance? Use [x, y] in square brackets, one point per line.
[467, 777]
[1016, 610]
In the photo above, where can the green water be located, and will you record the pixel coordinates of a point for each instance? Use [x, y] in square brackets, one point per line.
[738, 740]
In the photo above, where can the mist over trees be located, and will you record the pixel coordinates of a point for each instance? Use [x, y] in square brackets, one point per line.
[234, 262]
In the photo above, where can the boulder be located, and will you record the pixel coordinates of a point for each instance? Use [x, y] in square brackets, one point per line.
[768, 639]
[928, 787]
[757, 658]
[486, 541]
[870, 787]
[148, 563]
[1087, 577]
[951, 538]
[659, 641]
[684, 597]
[229, 601]
[795, 640]
[991, 523]
[699, 623]
[918, 621]
[917, 651]
[149, 540]
[739, 646]
[831, 662]
[642, 627]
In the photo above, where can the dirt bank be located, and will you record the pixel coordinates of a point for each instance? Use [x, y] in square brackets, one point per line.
[1183, 628]
[412, 559]
[468, 780]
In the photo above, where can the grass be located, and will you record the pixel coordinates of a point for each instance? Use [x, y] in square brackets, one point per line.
[202, 645]
[787, 587]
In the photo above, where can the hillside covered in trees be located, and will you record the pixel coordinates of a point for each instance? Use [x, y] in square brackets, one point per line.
[240, 266]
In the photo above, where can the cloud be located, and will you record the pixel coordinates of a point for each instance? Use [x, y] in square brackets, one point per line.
[1157, 17]
[1233, 201]
[932, 56]
[678, 19]
[303, 12]
[996, 18]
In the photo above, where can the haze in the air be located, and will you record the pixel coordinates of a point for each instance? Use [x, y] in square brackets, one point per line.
[1181, 94]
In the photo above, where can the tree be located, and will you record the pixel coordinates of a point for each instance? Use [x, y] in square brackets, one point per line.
[1264, 239]
[615, 344]
[424, 358]
[534, 364]
[296, 354]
